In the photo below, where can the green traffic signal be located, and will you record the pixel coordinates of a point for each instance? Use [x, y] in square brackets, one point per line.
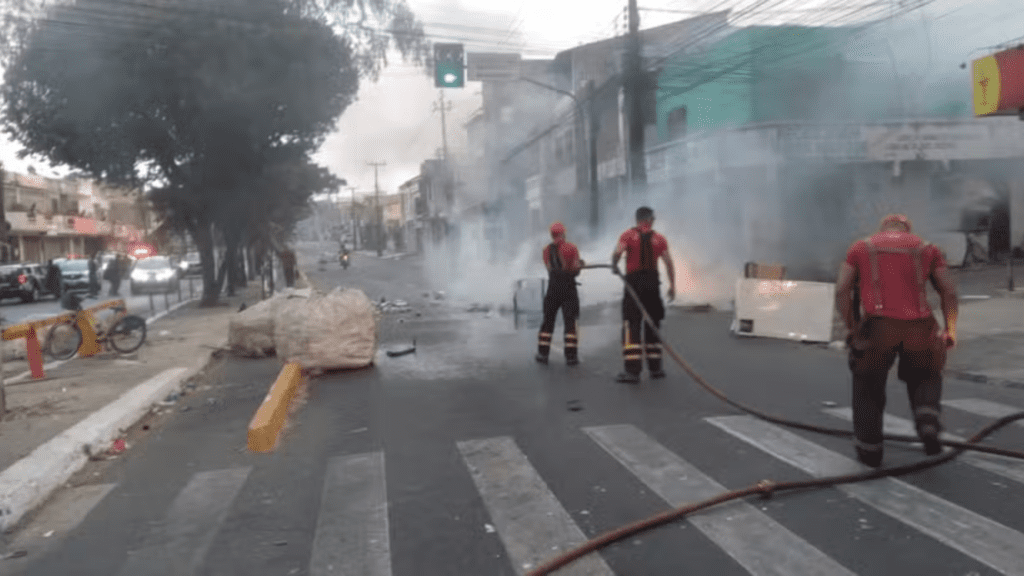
[449, 71]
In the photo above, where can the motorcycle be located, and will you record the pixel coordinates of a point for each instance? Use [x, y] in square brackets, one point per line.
[344, 261]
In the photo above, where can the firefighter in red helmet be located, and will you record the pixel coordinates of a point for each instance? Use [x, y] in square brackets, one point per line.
[891, 270]
[562, 260]
[643, 248]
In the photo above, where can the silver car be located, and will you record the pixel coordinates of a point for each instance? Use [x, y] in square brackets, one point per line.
[154, 275]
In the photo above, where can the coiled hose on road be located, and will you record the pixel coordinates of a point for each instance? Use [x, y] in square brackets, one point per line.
[767, 488]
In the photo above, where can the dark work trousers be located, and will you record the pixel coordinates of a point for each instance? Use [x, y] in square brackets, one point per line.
[873, 349]
[561, 295]
[646, 284]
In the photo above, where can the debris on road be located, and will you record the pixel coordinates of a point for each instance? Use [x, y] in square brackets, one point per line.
[397, 306]
[829, 404]
[410, 350]
[15, 554]
[337, 330]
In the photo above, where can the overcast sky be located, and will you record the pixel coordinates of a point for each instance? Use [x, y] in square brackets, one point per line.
[394, 119]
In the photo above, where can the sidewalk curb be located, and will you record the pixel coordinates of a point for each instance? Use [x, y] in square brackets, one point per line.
[983, 379]
[29, 482]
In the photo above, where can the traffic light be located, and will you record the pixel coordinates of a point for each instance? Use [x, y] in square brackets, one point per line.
[449, 71]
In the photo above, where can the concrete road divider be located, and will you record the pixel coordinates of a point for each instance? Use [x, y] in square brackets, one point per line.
[266, 424]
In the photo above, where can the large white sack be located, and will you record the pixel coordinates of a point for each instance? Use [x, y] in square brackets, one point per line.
[329, 331]
[251, 331]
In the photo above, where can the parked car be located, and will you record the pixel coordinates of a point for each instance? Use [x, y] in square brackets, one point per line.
[26, 281]
[156, 274]
[75, 274]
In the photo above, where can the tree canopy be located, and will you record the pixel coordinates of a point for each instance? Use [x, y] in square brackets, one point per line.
[216, 106]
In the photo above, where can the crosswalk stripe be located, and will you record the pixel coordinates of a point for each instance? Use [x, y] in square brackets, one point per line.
[180, 545]
[985, 408]
[970, 533]
[531, 523]
[1006, 467]
[756, 541]
[352, 528]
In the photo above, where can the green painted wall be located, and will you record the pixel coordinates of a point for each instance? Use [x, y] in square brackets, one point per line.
[790, 73]
[710, 85]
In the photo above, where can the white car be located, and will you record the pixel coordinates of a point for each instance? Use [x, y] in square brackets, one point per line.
[154, 275]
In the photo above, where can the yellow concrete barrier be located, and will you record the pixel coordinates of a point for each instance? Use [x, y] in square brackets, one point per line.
[266, 424]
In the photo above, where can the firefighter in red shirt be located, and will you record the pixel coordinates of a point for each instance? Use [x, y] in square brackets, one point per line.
[890, 270]
[562, 259]
[643, 247]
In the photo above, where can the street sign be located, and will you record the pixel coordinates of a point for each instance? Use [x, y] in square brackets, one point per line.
[493, 66]
[999, 83]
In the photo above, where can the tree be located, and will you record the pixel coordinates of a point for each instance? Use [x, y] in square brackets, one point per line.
[200, 100]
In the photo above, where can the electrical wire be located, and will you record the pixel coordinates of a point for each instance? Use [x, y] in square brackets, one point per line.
[766, 488]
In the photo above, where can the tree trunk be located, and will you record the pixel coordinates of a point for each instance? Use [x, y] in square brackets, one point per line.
[204, 241]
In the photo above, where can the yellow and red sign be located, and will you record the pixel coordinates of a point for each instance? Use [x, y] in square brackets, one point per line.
[999, 83]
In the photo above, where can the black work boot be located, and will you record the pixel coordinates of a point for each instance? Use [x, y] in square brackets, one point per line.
[540, 358]
[571, 360]
[929, 434]
[872, 458]
[628, 378]
[657, 374]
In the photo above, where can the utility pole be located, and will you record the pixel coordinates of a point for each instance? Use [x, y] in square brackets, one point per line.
[592, 128]
[440, 105]
[634, 86]
[352, 215]
[376, 205]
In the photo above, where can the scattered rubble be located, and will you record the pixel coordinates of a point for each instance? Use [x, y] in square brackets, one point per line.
[393, 307]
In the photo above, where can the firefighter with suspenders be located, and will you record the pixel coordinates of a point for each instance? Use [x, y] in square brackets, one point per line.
[890, 271]
[562, 260]
[643, 248]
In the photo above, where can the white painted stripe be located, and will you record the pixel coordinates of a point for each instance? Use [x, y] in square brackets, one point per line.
[352, 529]
[758, 543]
[985, 408]
[532, 525]
[970, 533]
[1009, 468]
[179, 546]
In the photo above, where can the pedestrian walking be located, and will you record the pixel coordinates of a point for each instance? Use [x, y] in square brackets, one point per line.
[113, 275]
[891, 270]
[54, 281]
[562, 260]
[94, 279]
[643, 248]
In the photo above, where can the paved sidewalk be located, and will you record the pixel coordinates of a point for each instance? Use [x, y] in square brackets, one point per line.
[991, 341]
[84, 404]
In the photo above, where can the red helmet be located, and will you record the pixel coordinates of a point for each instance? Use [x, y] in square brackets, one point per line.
[557, 229]
[897, 219]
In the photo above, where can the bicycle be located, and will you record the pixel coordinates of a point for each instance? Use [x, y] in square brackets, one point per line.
[123, 332]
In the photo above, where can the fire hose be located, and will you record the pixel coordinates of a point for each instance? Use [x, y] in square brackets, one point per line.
[767, 488]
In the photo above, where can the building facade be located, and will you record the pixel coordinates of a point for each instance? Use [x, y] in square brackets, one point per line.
[69, 217]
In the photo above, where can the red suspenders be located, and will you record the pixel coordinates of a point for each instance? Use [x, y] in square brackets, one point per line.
[876, 281]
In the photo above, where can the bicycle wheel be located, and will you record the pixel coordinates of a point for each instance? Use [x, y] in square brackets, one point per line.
[127, 334]
[63, 341]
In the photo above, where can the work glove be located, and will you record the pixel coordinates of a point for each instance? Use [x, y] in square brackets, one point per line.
[615, 270]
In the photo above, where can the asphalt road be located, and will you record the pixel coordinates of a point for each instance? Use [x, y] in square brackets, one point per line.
[14, 311]
[467, 458]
